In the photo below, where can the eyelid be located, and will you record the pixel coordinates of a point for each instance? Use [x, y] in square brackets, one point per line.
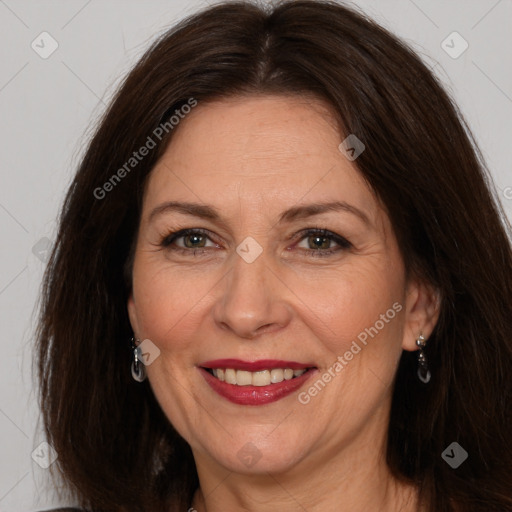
[181, 233]
[342, 242]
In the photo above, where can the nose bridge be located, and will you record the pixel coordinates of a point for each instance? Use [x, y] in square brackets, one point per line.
[249, 275]
[250, 299]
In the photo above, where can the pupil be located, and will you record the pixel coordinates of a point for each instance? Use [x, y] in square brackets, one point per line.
[318, 242]
[193, 239]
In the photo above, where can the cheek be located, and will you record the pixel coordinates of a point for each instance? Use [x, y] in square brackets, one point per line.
[342, 304]
[171, 301]
[358, 318]
[336, 305]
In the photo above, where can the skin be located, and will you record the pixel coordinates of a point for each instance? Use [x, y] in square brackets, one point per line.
[252, 158]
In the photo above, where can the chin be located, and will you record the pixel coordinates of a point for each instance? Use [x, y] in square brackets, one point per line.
[259, 454]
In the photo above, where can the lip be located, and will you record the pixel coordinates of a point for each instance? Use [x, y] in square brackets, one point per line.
[256, 395]
[255, 366]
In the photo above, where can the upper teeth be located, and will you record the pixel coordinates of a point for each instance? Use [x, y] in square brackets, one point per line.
[261, 378]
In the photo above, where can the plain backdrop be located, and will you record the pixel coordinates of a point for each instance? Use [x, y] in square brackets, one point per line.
[48, 104]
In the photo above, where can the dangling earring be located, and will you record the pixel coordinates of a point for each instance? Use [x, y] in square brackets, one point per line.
[423, 371]
[138, 369]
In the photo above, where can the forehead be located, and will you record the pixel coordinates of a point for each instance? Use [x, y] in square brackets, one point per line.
[258, 151]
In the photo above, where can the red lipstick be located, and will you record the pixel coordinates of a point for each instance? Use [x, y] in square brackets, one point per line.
[255, 366]
[255, 395]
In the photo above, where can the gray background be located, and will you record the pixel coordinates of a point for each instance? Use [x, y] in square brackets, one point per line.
[47, 106]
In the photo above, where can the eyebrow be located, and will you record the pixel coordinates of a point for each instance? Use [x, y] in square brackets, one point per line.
[300, 212]
[297, 212]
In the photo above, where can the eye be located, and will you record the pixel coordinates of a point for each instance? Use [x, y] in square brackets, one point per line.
[318, 242]
[314, 242]
[187, 240]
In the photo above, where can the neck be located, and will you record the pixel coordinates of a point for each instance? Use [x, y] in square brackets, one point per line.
[354, 493]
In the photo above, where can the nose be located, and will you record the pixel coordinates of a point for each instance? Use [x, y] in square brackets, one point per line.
[252, 299]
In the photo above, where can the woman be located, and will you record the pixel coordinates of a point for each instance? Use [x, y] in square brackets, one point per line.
[283, 226]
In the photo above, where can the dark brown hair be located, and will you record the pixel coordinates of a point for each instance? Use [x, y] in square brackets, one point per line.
[117, 450]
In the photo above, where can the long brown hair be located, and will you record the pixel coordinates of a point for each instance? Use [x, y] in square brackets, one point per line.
[117, 450]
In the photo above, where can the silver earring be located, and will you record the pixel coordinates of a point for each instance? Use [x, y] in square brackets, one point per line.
[423, 371]
[138, 369]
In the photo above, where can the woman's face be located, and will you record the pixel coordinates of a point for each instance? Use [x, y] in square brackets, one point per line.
[254, 286]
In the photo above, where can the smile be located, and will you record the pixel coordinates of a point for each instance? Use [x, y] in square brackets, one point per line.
[261, 378]
[255, 383]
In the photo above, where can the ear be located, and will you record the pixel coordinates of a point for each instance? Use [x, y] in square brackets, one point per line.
[132, 314]
[422, 307]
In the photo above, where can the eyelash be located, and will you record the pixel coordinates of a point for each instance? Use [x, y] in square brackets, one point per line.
[343, 243]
